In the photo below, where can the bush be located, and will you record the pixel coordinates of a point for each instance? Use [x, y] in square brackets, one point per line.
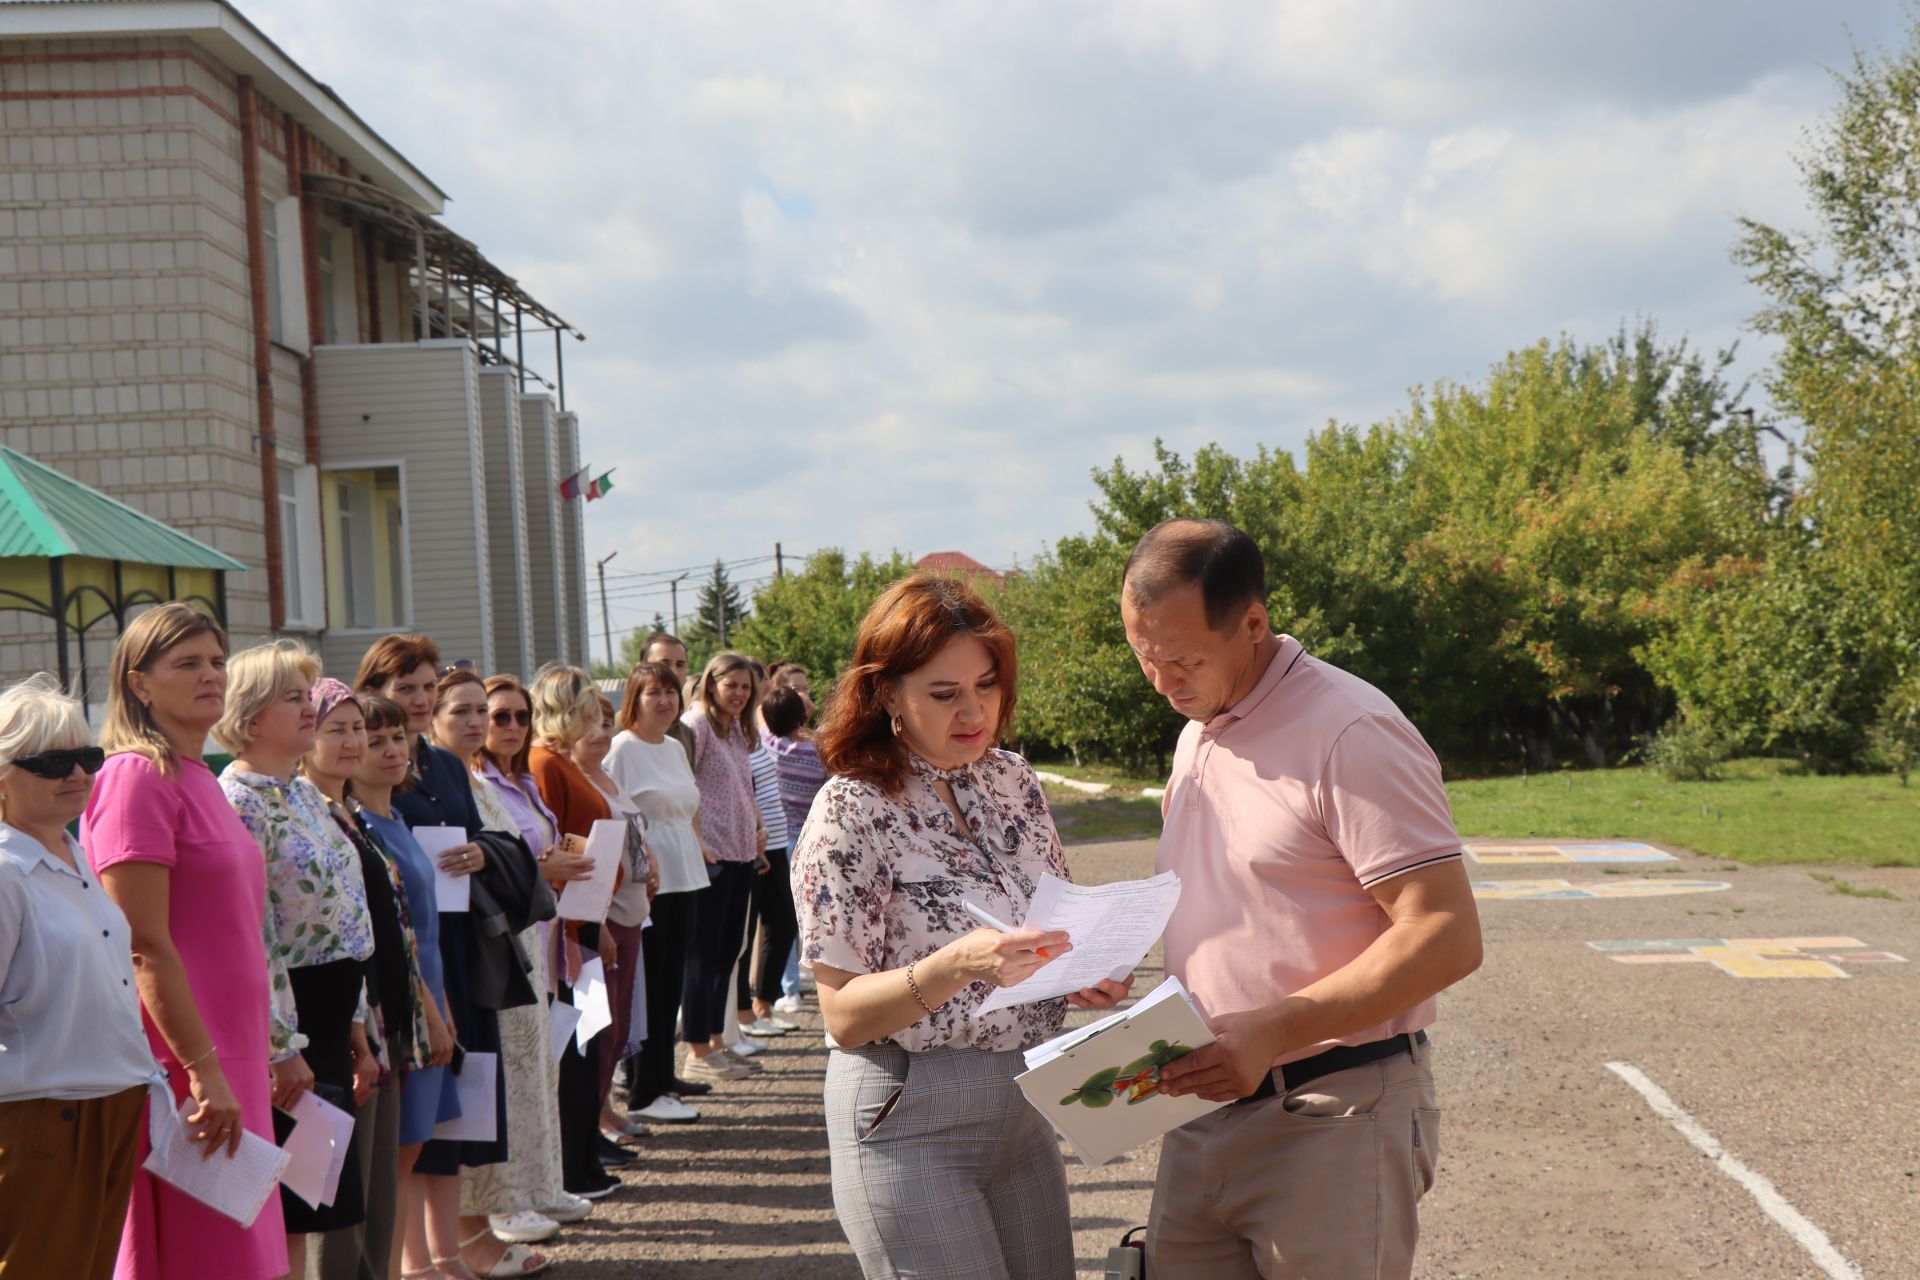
[1691, 748]
[1893, 741]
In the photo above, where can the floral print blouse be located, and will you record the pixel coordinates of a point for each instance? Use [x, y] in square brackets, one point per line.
[316, 899]
[878, 881]
[729, 817]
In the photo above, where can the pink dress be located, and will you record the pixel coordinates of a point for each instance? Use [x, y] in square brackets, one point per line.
[217, 903]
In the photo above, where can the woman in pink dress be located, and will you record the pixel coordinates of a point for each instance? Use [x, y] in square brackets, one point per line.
[177, 861]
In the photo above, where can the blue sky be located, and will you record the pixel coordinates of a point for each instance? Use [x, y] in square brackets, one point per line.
[886, 276]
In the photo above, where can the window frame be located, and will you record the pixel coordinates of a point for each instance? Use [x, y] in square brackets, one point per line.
[405, 618]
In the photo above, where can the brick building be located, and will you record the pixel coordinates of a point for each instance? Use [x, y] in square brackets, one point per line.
[226, 301]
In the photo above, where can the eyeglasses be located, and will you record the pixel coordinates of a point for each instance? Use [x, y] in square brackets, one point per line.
[504, 717]
[59, 764]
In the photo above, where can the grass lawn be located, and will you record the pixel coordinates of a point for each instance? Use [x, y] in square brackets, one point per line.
[1759, 813]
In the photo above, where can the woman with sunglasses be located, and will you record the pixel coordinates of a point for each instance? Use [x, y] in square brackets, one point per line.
[72, 1088]
[180, 864]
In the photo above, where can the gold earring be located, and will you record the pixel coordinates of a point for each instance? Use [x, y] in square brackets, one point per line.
[896, 726]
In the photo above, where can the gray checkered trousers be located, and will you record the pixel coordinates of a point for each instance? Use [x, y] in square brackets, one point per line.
[941, 1171]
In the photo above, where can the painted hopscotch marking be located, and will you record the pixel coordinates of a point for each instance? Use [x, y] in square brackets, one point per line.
[1752, 957]
[1522, 852]
[1568, 891]
[1829, 1259]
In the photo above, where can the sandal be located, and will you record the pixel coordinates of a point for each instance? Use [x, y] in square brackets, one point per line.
[514, 1260]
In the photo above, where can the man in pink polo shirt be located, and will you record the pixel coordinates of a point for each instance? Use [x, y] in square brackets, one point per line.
[1323, 906]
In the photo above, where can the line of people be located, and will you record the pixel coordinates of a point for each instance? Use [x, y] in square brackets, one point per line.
[241, 939]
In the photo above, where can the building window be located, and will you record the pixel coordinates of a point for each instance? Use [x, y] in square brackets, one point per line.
[367, 579]
[270, 254]
[300, 586]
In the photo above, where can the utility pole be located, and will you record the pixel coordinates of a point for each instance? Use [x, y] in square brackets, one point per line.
[779, 562]
[674, 588]
[606, 627]
[723, 619]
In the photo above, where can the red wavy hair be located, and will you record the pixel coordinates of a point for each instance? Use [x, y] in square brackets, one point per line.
[901, 633]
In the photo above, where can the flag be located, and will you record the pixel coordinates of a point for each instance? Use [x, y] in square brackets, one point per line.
[598, 489]
[573, 486]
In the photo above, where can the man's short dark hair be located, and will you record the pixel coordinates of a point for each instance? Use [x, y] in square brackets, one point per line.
[784, 711]
[1212, 555]
[660, 637]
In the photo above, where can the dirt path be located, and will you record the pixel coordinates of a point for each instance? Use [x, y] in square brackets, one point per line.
[1552, 1167]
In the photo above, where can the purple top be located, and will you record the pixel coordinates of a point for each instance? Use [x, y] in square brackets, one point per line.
[797, 761]
[538, 827]
[729, 818]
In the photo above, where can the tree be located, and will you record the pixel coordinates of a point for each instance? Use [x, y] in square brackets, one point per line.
[635, 641]
[812, 617]
[718, 616]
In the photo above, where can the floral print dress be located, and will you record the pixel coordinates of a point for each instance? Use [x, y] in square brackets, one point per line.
[878, 882]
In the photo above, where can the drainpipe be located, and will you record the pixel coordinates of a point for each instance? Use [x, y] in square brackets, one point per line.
[265, 440]
[316, 319]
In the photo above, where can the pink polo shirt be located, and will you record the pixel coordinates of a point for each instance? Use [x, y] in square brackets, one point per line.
[1280, 813]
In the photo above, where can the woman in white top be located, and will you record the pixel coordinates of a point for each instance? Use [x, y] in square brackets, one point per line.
[74, 1059]
[652, 769]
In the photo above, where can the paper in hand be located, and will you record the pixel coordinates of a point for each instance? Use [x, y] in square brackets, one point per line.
[1112, 927]
[450, 892]
[588, 899]
[478, 1120]
[235, 1186]
[316, 1149]
[591, 999]
[562, 1018]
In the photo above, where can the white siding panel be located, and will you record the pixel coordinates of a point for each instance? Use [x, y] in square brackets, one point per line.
[578, 641]
[417, 404]
[507, 521]
[538, 451]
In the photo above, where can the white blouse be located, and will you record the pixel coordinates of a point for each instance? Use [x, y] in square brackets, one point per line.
[660, 781]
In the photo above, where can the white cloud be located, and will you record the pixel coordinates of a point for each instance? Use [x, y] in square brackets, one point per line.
[880, 275]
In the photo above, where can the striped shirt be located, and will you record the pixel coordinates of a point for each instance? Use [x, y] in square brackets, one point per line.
[766, 794]
[801, 777]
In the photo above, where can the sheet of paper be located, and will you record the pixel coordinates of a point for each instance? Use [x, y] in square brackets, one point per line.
[450, 893]
[591, 999]
[587, 899]
[562, 1018]
[1040, 1055]
[1112, 926]
[309, 1149]
[477, 1121]
[235, 1186]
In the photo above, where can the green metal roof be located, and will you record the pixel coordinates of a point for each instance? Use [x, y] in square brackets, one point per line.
[45, 513]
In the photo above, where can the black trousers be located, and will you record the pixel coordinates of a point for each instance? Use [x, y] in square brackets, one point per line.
[770, 935]
[664, 948]
[324, 998]
[719, 924]
[579, 1099]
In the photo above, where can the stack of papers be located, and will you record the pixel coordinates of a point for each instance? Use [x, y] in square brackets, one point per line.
[236, 1185]
[316, 1149]
[1099, 1085]
[450, 892]
[589, 898]
[1112, 926]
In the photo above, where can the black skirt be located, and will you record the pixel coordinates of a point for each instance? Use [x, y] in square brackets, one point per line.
[325, 996]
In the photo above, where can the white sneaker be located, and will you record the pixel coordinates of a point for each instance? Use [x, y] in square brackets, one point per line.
[766, 1027]
[667, 1109]
[790, 1004]
[746, 1046]
[780, 1024]
[571, 1208]
[524, 1227]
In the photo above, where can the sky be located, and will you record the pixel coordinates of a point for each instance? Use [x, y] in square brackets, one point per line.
[898, 276]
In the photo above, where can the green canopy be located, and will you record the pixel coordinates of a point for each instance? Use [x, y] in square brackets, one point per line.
[72, 554]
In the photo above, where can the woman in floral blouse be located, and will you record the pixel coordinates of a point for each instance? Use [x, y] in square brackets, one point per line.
[318, 926]
[939, 1166]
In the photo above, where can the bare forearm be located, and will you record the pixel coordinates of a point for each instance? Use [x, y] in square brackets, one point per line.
[872, 1006]
[1408, 963]
[161, 978]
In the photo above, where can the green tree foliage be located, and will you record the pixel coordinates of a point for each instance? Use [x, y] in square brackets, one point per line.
[718, 618]
[811, 617]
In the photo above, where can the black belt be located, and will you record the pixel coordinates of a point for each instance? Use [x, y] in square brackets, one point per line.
[1338, 1058]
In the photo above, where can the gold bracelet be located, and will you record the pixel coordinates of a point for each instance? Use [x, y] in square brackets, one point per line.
[188, 1066]
[915, 987]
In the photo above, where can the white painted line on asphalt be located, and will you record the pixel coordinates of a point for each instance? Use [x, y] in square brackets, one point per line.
[1811, 1238]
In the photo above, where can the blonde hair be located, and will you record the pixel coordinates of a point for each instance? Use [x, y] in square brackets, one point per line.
[256, 677]
[129, 724]
[565, 703]
[36, 716]
[725, 663]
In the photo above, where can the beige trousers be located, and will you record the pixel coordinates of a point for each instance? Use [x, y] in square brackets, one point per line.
[1322, 1183]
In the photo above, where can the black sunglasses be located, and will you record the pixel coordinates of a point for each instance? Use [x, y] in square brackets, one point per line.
[59, 764]
[504, 717]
